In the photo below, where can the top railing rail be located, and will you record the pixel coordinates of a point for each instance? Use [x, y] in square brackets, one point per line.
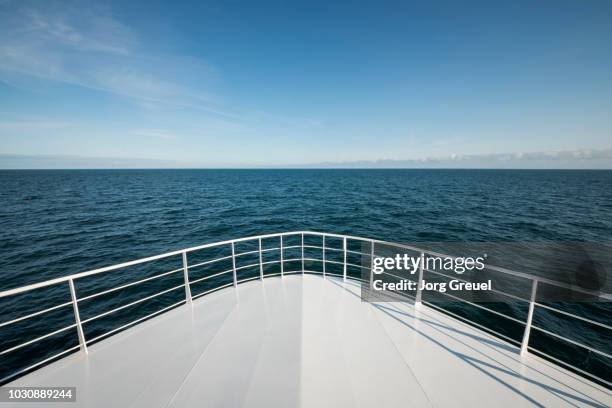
[282, 249]
[79, 275]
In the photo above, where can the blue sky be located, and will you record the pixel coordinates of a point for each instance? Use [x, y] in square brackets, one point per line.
[284, 83]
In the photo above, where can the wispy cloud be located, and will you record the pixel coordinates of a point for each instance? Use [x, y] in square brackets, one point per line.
[84, 44]
[91, 28]
[568, 159]
[552, 155]
[44, 40]
[581, 158]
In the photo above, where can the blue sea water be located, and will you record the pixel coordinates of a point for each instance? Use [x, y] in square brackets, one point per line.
[54, 223]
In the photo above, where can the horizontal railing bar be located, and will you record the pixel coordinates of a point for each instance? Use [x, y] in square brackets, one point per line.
[290, 247]
[278, 248]
[484, 308]
[247, 266]
[551, 282]
[336, 249]
[24, 370]
[26, 288]
[397, 277]
[492, 290]
[247, 253]
[358, 266]
[273, 249]
[34, 314]
[332, 249]
[494, 268]
[574, 342]
[213, 290]
[470, 322]
[191, 282]
[248, 279]
[55, 281]
[326, 248]
[127, 285]
[237, 255]
[566, 364]
[267, 249]
[336, 262]
[270, 249]
[315, 260]
[547, 281]
[428, 270]
[8, 350]
[250, 238]
[135, 321]
[132, 303]
[209, 262]
[278, 261]
[354, 238]
[605, 326]
[242, 267]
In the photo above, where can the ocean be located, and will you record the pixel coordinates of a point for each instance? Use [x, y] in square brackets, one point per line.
[59, 222]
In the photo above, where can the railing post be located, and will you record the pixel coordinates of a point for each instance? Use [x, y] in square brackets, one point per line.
[371, 265]
[260, 262]
[188, 297]
[302, 254]
[525, 343]
[234, 264]
[344, 248]
[419, 293]
[77, 318]
[282, 262]
[323, 250]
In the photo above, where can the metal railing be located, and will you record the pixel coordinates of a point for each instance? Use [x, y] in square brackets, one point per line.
[325, 260]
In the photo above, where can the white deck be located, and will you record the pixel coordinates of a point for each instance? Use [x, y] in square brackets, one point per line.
[308, 341]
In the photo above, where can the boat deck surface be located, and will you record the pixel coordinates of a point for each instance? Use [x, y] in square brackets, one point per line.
[303, 340]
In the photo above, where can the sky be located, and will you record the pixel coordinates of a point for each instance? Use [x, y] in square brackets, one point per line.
[268, 84]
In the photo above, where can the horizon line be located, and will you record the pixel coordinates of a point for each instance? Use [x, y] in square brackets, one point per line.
[305, 168]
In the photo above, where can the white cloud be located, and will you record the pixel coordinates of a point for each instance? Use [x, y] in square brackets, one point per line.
[570, 159]
[84, 44]
[88, 28]
[46, 40]
[581, 158]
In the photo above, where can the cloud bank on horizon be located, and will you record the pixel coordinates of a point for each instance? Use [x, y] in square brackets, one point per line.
[576, 159]
[216, 84]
